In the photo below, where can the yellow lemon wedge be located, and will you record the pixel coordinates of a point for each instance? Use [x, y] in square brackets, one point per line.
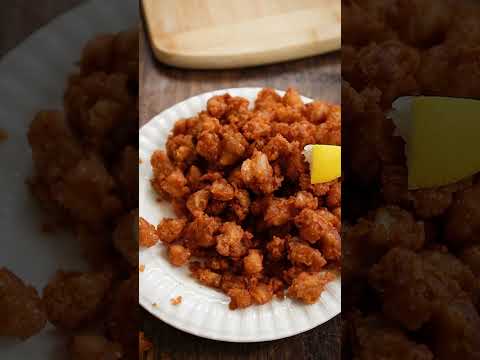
[325, 162]
[442, 138]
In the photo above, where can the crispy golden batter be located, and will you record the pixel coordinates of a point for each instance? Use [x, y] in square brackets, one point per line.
[147, 235]
[308, 287]
[22, 313]
[374, 338]
[87, 347]
[170, 230]
[72, 299]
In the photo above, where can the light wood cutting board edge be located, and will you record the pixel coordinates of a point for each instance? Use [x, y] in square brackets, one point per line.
[204, 61]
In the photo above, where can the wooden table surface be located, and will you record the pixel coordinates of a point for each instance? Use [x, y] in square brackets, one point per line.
[161, 87]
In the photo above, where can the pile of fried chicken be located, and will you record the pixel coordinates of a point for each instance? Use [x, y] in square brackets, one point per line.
[411, 259]
[85, 177]
[249, 221]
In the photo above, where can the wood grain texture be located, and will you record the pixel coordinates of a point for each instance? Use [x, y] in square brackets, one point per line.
[162, 86]
[218, 34]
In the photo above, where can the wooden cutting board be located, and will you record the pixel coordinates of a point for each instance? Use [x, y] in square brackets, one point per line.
[212, 34]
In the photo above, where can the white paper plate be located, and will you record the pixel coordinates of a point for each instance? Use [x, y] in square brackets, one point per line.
[204, 311]
[33, 77]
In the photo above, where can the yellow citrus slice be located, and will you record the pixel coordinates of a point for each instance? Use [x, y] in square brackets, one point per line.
[325, 163]
[444, 141]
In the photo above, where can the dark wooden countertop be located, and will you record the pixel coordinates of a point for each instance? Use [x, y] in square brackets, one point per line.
[161, 87]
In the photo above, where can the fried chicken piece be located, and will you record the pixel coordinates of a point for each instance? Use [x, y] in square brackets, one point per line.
[217, 105]
[207, 277]
[292, 98]
[257, 174]
[375, 338]
[425, 23]
[126, 174]
[463, 219]
[308, 287]
[236, 105]
[276, 248]
[464, 28]
[360, 26]
[88, 192]
[184, 126]
[22, 313]
[317, 111]
[208, 146]
[161, 167]
[471, 257]
[87, 347]
[217, 264]
[295, 165]
[330, 217]
[453, 268]
[202, 232]
[239, 298]
[455, 329]
[390, 227]
[178, 255]
[170, 230]
[461, 82]
[253, 262]
[175, 184]
[371, 237]
[304, 200]
[206, 123]
[54, 147]
[72, 299]
[261, 293]
[97, 55]
[319, 190]
[278, 212]
[302, 254]
[329, 132]
[404, 277]
[123, 316]
[193, 176]
[232, 281]
[334, 196]
[241, 204]
[234, 146]
[391, 67]
[258, 127]
[222, 190]
[303, 132]
[180, 149]
[314, 226]
[197, 202]
[277, 147]
[126, 235]
[97, 106]
[147, 235]
[231, 242]
[368, 137]
[267, 99]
